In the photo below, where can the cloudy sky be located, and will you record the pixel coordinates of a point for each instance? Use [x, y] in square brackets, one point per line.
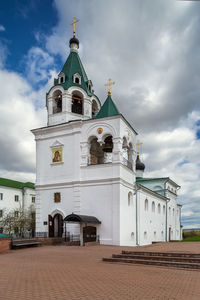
[152, 51]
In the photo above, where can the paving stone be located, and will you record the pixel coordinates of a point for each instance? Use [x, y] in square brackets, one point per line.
[62, 272]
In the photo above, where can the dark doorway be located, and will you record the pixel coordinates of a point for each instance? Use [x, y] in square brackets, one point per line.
[55, 226]
[89, 234]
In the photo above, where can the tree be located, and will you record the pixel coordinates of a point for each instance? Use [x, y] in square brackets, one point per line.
[20, 222]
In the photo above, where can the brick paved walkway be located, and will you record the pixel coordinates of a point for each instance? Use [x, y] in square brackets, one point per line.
[60, 272]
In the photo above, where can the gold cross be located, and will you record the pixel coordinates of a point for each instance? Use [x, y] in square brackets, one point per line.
[109, 86]
[73, 24]
[138, 147]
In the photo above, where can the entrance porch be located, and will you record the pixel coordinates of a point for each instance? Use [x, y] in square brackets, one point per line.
[89, 227]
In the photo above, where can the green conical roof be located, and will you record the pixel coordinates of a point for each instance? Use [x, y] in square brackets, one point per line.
[108, 109]
[72, 66]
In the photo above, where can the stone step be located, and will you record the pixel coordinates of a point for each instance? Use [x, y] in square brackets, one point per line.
[166, 254]
[190, 266]
[158, 258]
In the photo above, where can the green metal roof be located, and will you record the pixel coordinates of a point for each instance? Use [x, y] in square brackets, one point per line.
[3, 236]
[138, 179]
[16, 184]
[72, 66]
[108, 109]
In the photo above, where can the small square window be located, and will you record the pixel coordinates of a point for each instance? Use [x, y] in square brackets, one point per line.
[33, 199]
[57, 197]
[1, 196]
[45, 223]
[16, 198]
[1, 213]
[16, 214]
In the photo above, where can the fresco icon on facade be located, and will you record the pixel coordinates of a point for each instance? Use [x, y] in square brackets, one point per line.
[56, 155]
[99, 130]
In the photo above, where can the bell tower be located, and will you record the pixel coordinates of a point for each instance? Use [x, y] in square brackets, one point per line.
[72, 95]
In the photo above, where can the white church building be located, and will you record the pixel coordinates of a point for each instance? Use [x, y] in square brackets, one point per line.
[89, 177]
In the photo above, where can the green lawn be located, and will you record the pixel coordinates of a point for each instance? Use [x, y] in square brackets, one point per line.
[195, 238]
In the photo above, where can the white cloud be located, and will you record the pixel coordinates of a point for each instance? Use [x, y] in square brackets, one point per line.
[18, 117]
[38, 65]
[2, 28]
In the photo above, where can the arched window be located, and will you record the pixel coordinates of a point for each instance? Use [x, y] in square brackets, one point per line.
[162, 235]
[57, 101]
[132, 235]
[61, 78]
[145, 235]
[163, 209]
[169, 211]
[159, 208]
[153, 206]
[130, 199]
[94, 109]
[146, 205]
[77, 103]
[173, 211]
[154, 234]
[77, 80]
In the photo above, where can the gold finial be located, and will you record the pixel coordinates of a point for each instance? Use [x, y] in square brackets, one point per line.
[109, 86]
[138, 147]
[73, 24]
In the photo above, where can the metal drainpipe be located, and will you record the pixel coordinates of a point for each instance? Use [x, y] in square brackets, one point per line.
[136, 214]
[166, 210]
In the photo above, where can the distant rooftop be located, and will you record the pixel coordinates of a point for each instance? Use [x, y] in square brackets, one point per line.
[16, 184]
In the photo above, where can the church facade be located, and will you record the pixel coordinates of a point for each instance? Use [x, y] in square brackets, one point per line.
[89, 177]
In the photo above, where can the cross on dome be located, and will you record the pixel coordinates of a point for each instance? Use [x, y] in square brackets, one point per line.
[73, 24]
[138, 144]
[109, 86]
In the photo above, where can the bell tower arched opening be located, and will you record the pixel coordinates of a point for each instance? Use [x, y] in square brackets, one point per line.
[77, 103]
[96, 153]
[94, 109]
[57, 103]
[100, 154]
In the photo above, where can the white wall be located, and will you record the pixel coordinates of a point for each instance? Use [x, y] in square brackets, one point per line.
[151, 223]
